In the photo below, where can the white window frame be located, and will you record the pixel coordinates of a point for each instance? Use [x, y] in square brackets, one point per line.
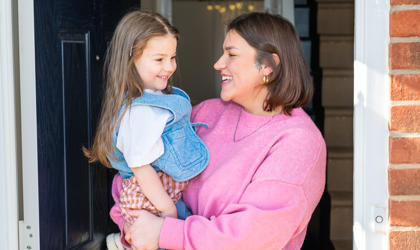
[8, 130]
[285, 8]
[29, 226]
[371, 116]
[18, 234]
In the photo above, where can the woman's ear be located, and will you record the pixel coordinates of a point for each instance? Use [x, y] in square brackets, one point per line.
[276, 59]
[268, 69]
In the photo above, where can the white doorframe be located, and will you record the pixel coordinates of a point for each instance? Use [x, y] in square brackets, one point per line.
[8, 129]
[29, 226]
[371, 115]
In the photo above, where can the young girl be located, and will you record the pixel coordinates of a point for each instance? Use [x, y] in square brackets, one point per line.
[144, 130]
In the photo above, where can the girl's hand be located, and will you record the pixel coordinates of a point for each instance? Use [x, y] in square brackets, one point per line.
[171, 212]
[145, 232]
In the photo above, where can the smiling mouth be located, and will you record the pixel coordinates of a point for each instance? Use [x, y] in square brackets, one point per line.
[226, 78]
[164, 77]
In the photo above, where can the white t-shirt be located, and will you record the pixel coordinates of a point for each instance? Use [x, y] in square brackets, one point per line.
[139, 136]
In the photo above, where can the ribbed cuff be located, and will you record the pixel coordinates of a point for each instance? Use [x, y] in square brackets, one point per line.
[123, 242]
[172, 234]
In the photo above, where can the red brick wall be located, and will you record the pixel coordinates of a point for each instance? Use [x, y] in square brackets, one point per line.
[404, 125]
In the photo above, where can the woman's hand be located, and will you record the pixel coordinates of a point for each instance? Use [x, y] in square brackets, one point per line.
[126, 226]
[145, 232]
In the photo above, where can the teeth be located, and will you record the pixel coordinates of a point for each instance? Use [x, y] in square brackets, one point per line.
[224, 78]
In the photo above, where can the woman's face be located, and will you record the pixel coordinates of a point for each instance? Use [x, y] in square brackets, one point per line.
[241, 77]
[157, 62]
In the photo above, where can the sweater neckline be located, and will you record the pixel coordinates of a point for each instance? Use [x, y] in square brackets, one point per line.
[246, 124]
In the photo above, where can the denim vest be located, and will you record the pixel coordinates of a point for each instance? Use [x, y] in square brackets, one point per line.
[185, 155]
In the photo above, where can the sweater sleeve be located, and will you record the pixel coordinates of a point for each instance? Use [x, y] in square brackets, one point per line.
[270, 212]
[257, 221]
[196, 110]
[115, 212]
[201, 111]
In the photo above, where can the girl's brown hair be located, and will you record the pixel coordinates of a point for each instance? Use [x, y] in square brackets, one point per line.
[123, 83]
[290, 84]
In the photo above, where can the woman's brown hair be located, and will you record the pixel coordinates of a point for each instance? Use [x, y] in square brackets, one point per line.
[290, 84]
[123, 83]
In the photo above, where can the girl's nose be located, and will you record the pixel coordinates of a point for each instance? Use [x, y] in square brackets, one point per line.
[170, 66]
[219, 64]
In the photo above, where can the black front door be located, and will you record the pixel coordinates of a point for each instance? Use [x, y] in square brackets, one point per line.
[70, 42]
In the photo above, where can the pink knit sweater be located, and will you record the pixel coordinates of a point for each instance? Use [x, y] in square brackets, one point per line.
[264, 180]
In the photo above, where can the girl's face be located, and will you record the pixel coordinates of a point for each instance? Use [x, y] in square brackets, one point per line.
[157, 62]
[241, 77]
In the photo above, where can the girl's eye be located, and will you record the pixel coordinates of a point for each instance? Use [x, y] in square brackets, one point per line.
[158, 60]
[173, 58]
[231, 55]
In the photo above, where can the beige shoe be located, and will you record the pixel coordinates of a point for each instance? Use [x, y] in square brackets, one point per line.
[113, 242]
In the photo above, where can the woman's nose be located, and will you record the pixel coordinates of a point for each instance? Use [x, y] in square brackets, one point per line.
[219, 64]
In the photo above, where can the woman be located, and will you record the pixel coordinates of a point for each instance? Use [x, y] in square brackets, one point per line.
[267, 158]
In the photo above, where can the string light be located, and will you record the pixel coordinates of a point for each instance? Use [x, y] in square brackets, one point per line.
[231, 6]
[230, 9]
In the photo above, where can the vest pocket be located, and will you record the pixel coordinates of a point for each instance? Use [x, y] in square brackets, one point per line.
[185, 154]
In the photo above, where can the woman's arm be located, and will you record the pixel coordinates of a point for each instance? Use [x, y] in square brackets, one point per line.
[242, 225]
[153, 189]
[115, 212]
[267, 217]
[270, 213]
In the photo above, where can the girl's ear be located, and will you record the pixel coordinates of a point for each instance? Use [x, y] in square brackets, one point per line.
[268, 69]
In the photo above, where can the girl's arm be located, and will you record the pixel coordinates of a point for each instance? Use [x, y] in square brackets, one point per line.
[152, 188]
[115, 212]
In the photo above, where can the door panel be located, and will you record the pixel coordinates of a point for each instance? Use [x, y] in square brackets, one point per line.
[76, 86]
[74, 196]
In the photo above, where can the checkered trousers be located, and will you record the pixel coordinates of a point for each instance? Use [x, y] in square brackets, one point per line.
[131, 196]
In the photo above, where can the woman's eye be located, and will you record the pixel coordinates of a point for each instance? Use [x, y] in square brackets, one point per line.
[158, 60]
[173, 58]
[231, 55]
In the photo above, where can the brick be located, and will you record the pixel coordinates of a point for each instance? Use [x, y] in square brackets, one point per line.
[405, 118]
[404, 55]
[396, 2]
[404, 213]
[404, 150]
[404, 23]
[404, 240]
[404, 181]
[405, 87]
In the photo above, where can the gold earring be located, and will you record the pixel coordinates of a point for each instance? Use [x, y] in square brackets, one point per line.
[266, 79]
